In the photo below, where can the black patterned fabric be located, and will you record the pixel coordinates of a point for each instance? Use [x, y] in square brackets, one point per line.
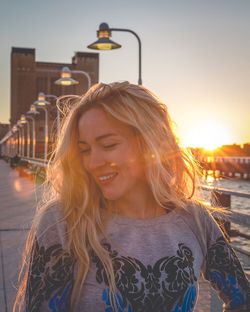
[156, 264]
[167, 285]
[50, 279]
[225, 273]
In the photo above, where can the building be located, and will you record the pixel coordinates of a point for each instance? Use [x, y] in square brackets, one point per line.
[29, 77]
[4, 128]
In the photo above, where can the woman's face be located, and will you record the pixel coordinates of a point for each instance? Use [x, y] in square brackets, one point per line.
[110, 154]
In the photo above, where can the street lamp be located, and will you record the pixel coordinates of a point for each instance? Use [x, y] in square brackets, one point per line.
[25, 121]
[104, 43]
[67, 80]
[33, 111]
[16, 129]
[41, 103]
[15, 132]
[22, 138]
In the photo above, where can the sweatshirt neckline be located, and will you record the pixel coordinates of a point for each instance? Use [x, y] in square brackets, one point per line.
[119, 219]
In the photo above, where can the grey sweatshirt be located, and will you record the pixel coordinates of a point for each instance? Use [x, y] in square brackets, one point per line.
[157, 263]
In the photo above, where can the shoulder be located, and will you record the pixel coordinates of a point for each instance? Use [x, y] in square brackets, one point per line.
[201, 222]
[196, 213]
[50, 224]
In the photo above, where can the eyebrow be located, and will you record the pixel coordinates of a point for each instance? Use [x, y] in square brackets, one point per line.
[99, 138]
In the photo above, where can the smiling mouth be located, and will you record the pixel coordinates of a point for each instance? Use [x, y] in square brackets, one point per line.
[107, 178]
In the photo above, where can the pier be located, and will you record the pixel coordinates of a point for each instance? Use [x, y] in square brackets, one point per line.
[19, 195]
[226, 166]
[18, 199]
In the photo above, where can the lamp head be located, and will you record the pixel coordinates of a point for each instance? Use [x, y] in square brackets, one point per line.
[33, 110]
[14, 129]
[103, 42]
[41, 100]
[23, 119]
[66, 79]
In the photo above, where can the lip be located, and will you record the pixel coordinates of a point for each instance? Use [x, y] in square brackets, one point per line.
[106, 178]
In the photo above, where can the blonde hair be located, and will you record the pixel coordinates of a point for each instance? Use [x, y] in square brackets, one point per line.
[170, 171]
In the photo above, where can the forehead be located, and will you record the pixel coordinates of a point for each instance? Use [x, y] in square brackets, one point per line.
[96, 122]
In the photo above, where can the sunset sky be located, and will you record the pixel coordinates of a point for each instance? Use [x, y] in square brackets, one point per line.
[195, 55]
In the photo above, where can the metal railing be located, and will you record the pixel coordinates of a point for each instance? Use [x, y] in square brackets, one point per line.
[223, 199]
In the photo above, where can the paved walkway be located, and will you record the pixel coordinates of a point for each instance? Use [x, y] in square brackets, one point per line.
[18, 198]
[17, 207]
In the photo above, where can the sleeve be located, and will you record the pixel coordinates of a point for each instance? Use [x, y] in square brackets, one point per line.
[223, 270]
[51, 268]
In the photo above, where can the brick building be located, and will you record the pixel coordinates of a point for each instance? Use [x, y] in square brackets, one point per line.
[29, 77]
[4, 128]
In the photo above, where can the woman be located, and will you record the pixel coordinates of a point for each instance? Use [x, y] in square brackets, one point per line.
[122, 230]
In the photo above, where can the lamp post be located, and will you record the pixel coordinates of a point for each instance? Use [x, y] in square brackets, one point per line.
[22, 138]
[33, 111]
[12, 143]
[18, 149]
[104, 43]
[15, 132]
[25, 121]
[41, 103]
[67, 80]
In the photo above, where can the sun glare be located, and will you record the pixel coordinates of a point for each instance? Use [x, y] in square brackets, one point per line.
[208, 135]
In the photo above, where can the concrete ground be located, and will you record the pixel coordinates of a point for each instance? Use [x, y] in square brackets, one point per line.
[18, 199]
[17, 207]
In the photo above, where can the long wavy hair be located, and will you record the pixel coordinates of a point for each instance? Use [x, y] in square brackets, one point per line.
[170, 172]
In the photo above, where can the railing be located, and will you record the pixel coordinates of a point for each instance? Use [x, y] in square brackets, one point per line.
[36, 161]
[221, 197]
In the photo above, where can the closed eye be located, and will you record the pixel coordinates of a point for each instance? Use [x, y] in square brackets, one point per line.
[85, 151]
[110, 146]
[106, 147]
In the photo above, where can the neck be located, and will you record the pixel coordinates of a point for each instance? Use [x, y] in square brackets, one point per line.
[141, 205]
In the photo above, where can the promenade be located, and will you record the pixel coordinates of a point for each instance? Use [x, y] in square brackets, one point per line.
[18, 198]
[17, 207]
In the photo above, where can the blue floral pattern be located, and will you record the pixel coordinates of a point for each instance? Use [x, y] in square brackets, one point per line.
[226, 275]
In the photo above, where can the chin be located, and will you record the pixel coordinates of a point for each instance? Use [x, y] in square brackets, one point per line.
[111, 196]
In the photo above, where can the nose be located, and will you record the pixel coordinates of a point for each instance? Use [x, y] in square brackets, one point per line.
[94, 160]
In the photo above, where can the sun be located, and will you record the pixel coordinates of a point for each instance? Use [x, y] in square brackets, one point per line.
[207, 134]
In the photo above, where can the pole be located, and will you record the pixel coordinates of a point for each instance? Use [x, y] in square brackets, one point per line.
[139, 43]
[58, 115]
[19, 143]
[46, 138]
[33, 134]
[46, 134]
[83, 73]
[33, 137]
[22, 140]
[28, 139]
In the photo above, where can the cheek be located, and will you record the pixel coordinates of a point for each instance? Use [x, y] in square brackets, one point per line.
[84, 162]
[135, 167]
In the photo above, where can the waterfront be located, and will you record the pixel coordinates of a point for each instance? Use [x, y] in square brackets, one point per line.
[238, 204]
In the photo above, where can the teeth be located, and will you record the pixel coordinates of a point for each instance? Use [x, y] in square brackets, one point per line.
[107, 177]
